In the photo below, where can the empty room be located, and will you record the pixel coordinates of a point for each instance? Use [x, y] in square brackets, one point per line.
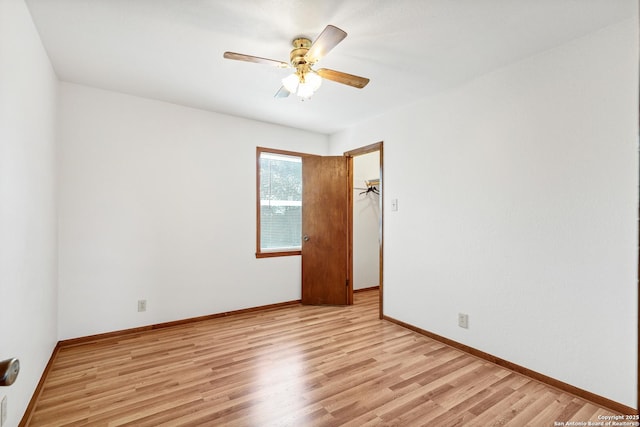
[297, 213]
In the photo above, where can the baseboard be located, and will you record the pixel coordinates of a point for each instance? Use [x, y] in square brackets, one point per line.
[560, 385]
[116, 334]
[372, 288]
[26, 418]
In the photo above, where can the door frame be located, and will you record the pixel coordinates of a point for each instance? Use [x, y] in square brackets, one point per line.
[378, 146]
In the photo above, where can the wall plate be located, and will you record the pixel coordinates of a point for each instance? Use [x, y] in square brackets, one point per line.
[3, 410]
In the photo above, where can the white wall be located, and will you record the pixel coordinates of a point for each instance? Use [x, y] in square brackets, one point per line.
[366, 223]
[157, 202]
[28, 296]
[525, 212]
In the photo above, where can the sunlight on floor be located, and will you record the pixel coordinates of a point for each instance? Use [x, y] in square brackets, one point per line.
[279, 391]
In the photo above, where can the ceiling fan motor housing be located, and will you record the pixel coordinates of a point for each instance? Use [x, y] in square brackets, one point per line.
[300, 48]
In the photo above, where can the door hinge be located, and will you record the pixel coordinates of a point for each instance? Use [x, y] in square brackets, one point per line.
[347, 283]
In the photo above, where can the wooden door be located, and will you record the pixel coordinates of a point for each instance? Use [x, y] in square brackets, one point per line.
[325, 229]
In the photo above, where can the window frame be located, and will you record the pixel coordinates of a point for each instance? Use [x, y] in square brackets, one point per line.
[259, 252]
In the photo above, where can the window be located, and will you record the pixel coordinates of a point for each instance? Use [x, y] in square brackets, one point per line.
[279, 203]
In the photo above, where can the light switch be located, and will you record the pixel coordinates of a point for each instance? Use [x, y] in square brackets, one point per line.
[3, 410]
[394, 205]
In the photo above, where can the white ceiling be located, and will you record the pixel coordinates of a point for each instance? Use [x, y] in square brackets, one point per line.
[171, 50]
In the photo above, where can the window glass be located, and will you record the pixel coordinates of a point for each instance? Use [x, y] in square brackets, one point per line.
[280, 202]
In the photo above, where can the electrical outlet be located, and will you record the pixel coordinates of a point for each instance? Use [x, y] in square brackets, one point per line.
[142, 306]
[463, 320]
[3, 411]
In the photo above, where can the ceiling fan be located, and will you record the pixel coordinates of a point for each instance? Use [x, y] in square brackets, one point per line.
[305, 80]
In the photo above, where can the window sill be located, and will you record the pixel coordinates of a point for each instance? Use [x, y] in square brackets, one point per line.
[277, 254]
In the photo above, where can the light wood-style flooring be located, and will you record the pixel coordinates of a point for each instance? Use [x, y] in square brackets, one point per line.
[292, 366]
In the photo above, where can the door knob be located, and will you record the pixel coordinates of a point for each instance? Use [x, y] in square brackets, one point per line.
[9, 371]
[305, 238]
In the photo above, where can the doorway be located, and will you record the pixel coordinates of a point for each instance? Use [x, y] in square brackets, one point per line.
[366, 225]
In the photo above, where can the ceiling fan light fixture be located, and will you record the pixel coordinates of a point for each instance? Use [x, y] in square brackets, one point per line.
[291, 82]
[305, 90]
[302, 84]
[312, 78]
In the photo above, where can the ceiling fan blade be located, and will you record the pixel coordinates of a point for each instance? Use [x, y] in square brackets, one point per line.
[256, 59]
[327, 40]
[282, 93]
[344, 78]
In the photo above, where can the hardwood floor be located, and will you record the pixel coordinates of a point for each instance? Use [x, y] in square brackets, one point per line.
[292, 366]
